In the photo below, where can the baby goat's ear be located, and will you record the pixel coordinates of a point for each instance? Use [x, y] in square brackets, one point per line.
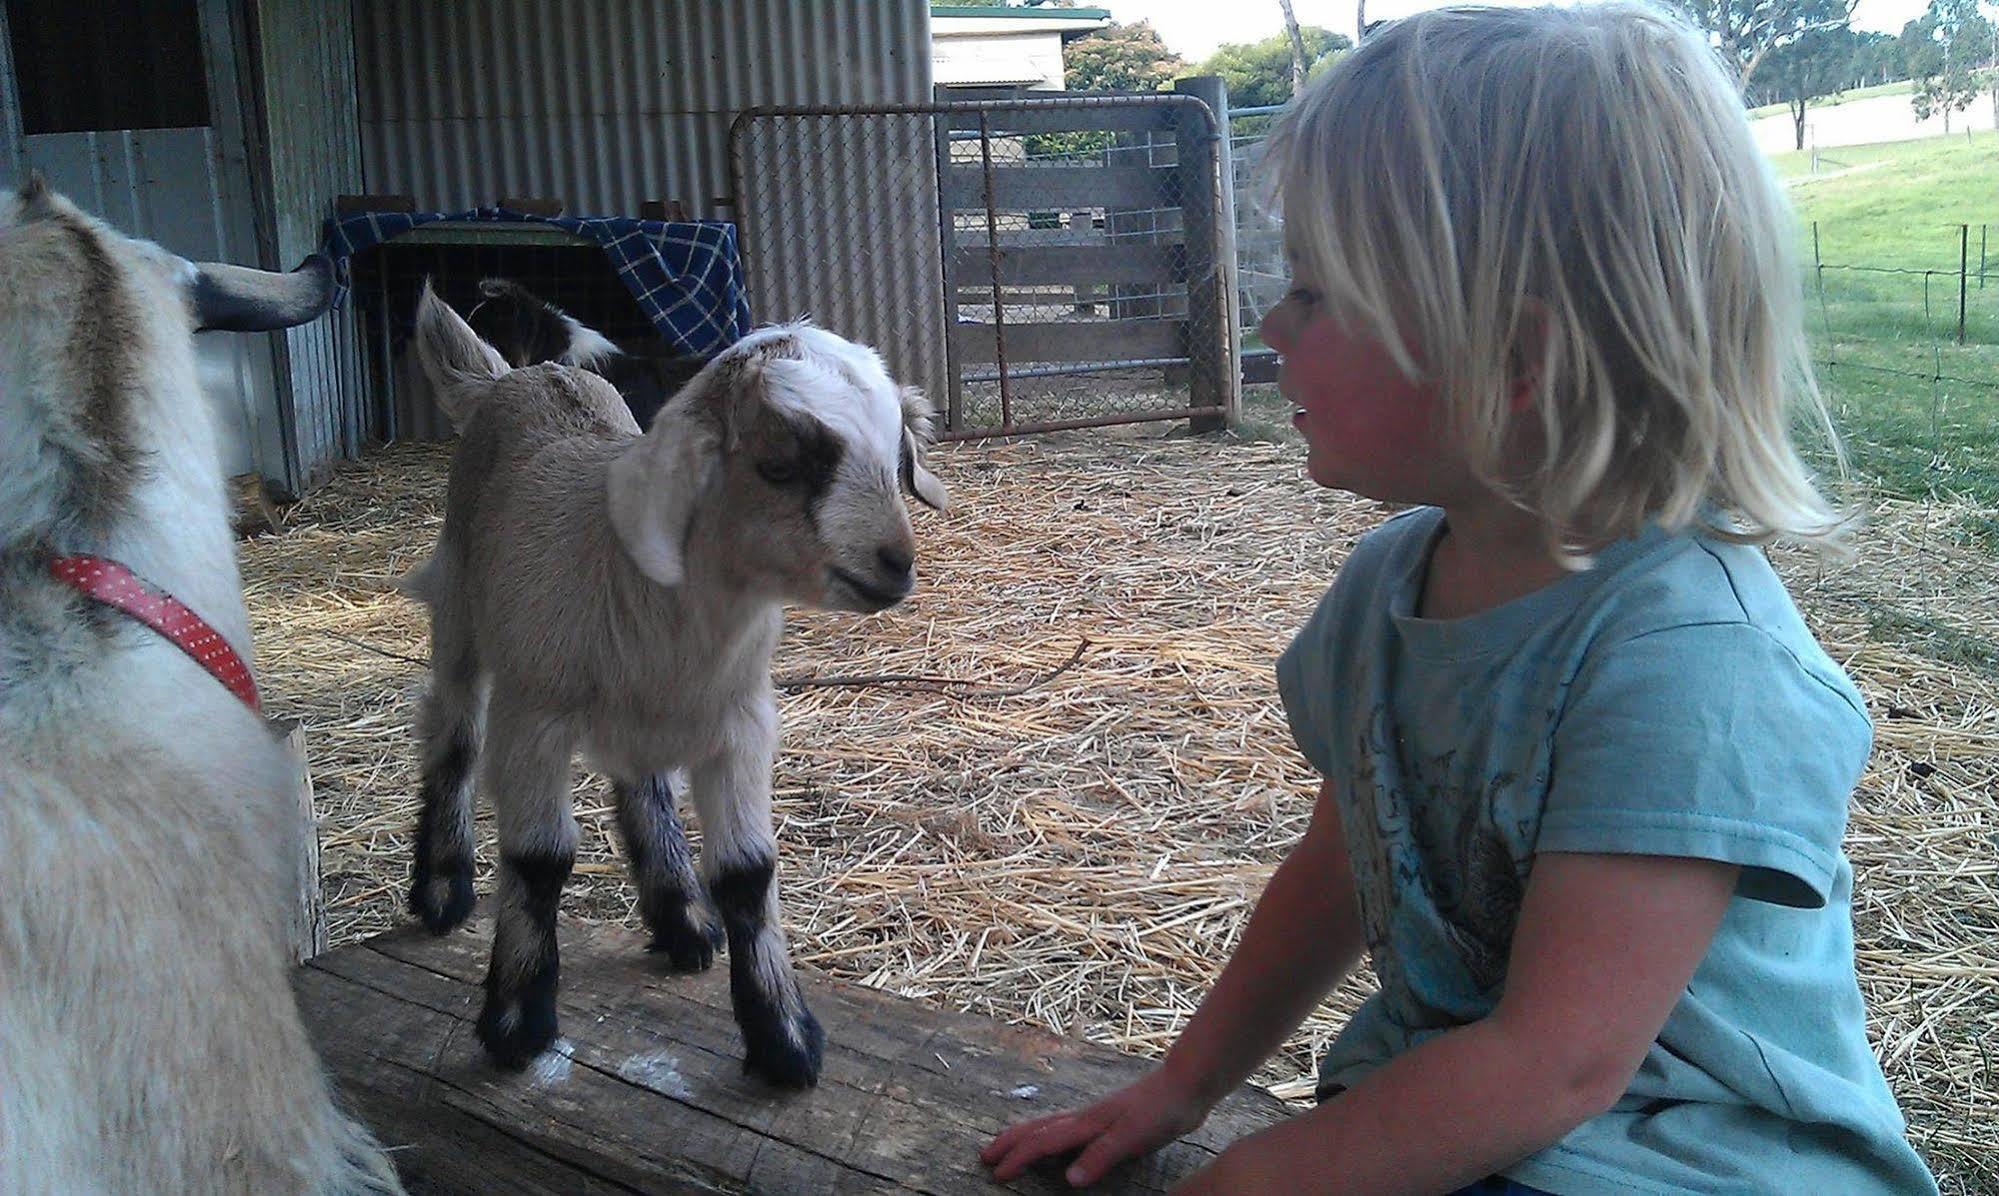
[459, 365]
[916, 438]
[656, 484]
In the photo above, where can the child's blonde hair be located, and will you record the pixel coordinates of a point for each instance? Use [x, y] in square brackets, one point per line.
[1571, 195]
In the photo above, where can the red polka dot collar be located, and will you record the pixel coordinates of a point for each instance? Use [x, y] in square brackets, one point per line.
[117, 587]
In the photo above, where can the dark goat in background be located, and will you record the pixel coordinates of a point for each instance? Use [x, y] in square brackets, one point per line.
[528, 330]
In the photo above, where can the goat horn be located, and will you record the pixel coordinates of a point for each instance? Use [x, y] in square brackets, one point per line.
[239, 299]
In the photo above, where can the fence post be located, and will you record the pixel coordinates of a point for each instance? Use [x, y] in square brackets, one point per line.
[1963, 273]
[947, 240]
[1208, 203]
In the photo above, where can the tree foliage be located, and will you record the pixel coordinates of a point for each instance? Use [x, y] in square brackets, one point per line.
[1950, 54]
[1747, 32]
[1259, 73]
[1820, 63]
[1120, 58]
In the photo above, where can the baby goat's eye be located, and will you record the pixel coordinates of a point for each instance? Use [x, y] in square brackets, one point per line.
[778, 472]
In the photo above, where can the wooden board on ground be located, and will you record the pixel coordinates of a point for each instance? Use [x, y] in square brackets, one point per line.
[646, 1090]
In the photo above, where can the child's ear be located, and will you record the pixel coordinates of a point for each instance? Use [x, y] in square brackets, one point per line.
[1527, 357]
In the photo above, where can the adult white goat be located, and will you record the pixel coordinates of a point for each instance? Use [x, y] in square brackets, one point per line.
[623, 592]
[149, 1041]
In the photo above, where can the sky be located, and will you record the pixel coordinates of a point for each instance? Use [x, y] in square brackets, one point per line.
[1193, 28]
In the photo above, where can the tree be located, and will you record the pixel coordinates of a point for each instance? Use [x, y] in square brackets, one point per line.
[1259, 73]
[1922, 57]
[1819, 63]
[1949, 52]
[1296, 40]
[1120, 58]
[1877, 58]
[1749, 31]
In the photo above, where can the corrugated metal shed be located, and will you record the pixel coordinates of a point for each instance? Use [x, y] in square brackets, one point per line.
[839, 222]
[604, 103]
[608, 104]
[250, 186]
[310, 153]
[188, 189]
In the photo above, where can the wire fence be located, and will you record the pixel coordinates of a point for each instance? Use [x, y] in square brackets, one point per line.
[1907, 350]
[1261, 276]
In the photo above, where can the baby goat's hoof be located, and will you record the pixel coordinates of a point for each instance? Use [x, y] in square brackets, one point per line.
[785, 1053]
[513, 1033]
[689, 939]
[442, 899]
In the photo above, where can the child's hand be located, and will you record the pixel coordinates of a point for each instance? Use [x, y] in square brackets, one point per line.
[1129, 1122]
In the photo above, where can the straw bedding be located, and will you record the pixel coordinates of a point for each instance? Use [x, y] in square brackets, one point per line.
[1064, 812]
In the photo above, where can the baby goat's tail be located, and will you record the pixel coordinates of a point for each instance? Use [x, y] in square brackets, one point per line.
[460, 366]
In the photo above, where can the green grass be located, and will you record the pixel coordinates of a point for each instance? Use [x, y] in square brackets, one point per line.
[1901, 87]
[1899, 206]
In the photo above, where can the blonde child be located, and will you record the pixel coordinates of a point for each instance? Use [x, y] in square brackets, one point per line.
[1585, 770]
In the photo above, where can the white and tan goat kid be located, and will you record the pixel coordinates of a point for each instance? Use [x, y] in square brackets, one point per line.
[621, 593]
[149, 1041]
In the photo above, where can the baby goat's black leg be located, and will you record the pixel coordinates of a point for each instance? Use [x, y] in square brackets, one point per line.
[441, 874]
[782, 1040]
[527, 773]
[518, 1021]
[671, 897]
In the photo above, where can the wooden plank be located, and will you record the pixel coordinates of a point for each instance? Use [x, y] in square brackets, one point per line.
[1161, 232]
[488, 232]
[1041, 188]
[1105, 340]
[1074, 265]
[1083, 118]
[305, 922]
[646, 1092]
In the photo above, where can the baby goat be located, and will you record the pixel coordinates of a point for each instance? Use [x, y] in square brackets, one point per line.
[620, 592]
[149, 1041]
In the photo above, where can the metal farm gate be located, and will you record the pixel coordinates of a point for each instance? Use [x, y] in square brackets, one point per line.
[1035, 264]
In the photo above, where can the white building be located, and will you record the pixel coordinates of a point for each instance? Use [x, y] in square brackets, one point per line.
[974, 46]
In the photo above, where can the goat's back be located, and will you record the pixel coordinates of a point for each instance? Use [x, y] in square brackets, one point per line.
[148, 1036]
[525, 412]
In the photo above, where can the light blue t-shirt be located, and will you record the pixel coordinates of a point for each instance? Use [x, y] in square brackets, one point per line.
[1668, 701]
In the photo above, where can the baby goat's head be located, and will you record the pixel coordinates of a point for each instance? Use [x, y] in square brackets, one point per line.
[783, 462]
[779, 468]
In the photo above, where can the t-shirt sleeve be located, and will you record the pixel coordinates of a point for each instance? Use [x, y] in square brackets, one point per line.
[1319, 664]
[1710, 741]
[1304, 674]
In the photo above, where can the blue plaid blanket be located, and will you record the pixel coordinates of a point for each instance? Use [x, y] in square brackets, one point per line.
[686, 275]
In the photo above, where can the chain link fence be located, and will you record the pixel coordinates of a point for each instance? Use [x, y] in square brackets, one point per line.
[1261, 275]
[1034, 264]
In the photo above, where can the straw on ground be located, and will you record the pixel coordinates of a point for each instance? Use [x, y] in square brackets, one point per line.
[1079, 846]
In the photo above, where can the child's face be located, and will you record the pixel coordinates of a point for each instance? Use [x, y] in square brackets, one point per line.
[1367, 428]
